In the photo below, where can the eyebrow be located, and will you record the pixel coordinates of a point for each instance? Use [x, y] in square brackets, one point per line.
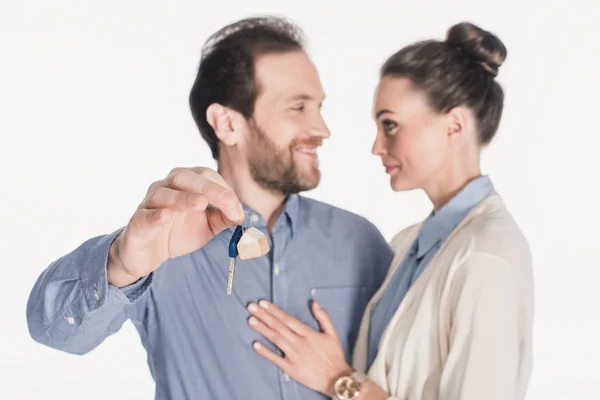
[305, 97]
[382, 112]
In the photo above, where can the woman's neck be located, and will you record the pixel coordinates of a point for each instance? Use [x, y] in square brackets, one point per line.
[451, 180]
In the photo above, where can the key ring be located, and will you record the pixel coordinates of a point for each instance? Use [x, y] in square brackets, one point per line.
[249, 224]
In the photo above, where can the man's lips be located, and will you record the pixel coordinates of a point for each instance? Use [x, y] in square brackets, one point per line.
[310, 151]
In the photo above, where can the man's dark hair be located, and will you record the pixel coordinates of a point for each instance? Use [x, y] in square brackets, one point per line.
[226, 73]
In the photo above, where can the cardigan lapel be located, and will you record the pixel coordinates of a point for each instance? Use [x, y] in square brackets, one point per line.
[360, 353]
[400, 248]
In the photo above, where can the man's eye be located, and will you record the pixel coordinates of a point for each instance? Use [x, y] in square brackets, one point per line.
[299, 107]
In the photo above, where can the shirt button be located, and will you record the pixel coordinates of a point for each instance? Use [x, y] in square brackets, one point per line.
[254, 218]
[276, 269]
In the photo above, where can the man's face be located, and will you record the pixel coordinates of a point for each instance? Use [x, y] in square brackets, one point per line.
[287, 126]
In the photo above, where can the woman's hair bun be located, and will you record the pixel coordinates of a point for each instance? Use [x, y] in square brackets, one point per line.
[482, 46]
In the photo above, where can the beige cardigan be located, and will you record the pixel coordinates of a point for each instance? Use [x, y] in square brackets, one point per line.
[464, 329]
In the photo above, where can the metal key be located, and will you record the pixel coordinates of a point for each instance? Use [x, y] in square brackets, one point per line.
[233, 254]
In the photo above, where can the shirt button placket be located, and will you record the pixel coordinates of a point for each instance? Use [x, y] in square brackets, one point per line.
[279, 294]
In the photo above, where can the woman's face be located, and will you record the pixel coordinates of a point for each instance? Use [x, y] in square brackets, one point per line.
[412, 139]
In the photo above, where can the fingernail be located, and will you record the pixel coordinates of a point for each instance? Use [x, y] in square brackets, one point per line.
[252, 307]
[263, 304]
[256, 345]
[317, 306]
[253, 321]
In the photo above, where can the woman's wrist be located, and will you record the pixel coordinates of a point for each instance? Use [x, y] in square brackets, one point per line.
[367, 388]
[346, 371]
[372, 391]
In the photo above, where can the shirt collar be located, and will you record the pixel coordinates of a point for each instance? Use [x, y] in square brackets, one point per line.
[438, 225]
[288, 217]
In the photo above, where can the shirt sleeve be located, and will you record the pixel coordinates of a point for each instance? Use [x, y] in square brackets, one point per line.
[73, 308]
[484, 357]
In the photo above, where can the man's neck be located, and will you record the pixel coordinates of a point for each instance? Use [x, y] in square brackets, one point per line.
[267, 203]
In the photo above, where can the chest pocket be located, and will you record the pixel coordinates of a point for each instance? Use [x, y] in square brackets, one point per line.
[345, 306]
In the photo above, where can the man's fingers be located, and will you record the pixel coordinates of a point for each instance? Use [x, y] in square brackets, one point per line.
[206, 184]
[217, 220]
[146, 223]
[211, 175]
[164, 197]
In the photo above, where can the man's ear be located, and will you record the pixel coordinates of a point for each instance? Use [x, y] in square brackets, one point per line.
[224, 122]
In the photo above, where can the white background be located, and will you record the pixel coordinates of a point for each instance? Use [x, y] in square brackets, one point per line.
[93, 103]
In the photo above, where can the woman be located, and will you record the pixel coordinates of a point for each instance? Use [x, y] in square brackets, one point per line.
[453, 319]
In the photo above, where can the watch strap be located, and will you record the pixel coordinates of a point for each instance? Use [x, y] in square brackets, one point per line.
[359, 376]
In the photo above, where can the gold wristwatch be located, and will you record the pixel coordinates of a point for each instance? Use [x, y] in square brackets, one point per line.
[348, 387]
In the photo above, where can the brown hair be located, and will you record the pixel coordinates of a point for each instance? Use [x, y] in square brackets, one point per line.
[459, 71]
[226, 71]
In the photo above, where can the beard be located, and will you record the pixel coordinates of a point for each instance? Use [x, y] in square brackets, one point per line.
[274, 168]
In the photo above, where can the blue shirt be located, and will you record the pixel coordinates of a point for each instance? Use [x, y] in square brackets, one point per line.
[435, 229]
[197, 338]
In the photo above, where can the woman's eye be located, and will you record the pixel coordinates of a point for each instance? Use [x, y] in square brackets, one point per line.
[299, 107]
[388, 126]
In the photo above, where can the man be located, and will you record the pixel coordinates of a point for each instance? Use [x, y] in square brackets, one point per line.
[256, 101]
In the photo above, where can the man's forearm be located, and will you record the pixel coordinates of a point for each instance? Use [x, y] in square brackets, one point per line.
[72, 307]
[116, 273]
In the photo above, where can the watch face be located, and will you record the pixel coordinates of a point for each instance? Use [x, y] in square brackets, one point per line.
[346, 388]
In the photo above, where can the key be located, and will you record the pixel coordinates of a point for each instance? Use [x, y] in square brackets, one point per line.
[233, 254]
[246, 243]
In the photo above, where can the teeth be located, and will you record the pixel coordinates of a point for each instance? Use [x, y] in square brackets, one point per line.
[307, 150]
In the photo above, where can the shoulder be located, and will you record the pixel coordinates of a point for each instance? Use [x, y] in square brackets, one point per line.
[494, 231]
[354, 237]
[313, 206]
[490, 249]
[328, 217]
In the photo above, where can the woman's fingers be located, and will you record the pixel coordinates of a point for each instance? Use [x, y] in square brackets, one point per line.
[324, 320]
[264, 320]
[271, 311]
[272, 357]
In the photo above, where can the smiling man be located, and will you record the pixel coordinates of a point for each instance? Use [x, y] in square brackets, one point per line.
[256, 101]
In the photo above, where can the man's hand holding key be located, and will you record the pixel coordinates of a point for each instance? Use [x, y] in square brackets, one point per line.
[179, 215]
